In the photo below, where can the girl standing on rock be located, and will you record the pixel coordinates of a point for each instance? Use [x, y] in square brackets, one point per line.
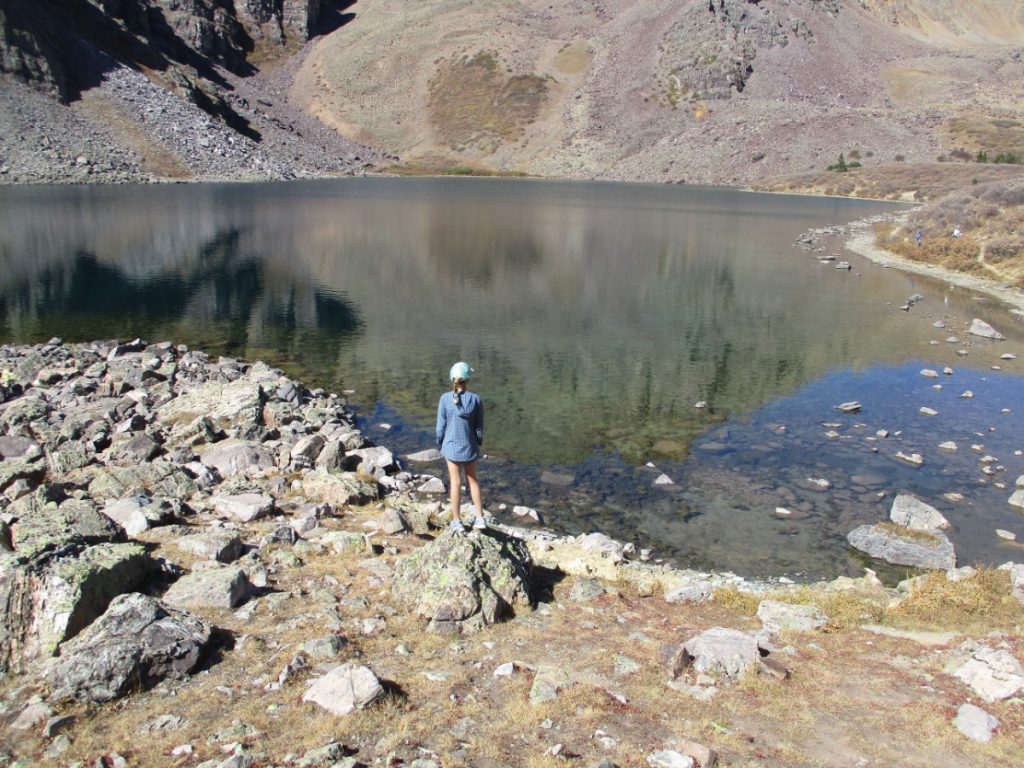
[460, 431]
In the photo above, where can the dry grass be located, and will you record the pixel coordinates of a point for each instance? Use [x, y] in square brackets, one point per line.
[980, 604]
[735, 601]
[985, 134]
[991, 218]
[475, 102]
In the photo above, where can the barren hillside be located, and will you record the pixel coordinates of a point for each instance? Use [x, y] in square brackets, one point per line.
[723, 91]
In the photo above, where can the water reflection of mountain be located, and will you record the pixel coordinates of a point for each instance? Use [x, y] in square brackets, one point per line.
[595, 314]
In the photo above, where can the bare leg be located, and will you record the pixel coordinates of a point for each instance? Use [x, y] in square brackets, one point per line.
[474, 488]
[455, 480]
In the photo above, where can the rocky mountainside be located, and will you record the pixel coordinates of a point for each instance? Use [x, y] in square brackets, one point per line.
[723, 91]
[144, 89]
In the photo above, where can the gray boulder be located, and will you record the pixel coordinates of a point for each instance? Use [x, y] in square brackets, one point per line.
[332, 457]
[345, 689]
[135, 643]
[216, 544]
[376, 461]
[19, 448]
[233, 457]
[155, 478]
[992, 673]
[719, 651]
[984, 330]
[48, 599]
[232, 405]
[338, 490]
[306, 450]
[910, 512]
[136, 514]
[461, 583]
[243, 506]
[975, 723]
[901, 546]
[210, 585]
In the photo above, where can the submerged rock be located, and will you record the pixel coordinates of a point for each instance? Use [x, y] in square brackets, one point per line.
[984, 330]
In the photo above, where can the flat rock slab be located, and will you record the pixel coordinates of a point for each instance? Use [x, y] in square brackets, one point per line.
[243, 506]
[220, 545]
[920, 549]
[233, 404]
[992, 673]
[234, 457]
[779, 617]
[345, 689]
[136, 642]
[212, 586]
[984, 330]
[547, 683]
[721, 651]
[975, 723]
[911, 512]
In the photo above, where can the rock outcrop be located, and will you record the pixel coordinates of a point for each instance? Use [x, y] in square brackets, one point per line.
[461, 583]
[135, 643]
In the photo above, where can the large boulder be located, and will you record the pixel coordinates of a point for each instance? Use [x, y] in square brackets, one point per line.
[461, 583]
[156, 478]
[984, 330]
[233, 457]
[136, 643]
[903, 546]
[48, 599]
[237, 404]
[338, 490]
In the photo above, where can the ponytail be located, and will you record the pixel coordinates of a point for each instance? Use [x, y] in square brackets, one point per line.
[455, 390]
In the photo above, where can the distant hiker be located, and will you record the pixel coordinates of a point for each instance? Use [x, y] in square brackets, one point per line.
[917, 238]
[956, 231]
[460, 431]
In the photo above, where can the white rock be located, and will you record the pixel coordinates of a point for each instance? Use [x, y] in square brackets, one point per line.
[947, 371]
[984, 330]
[1007, 356]
[967, 394]
[992, 673]
[850, 407]
[975, 723]
[928, 373]
[345, 689]
[700, 404]
[668, 758]
[911, 512]
[724, 651]
[244, 506]
[432, 485]
[925, 410]
[1017, 499]
[914, 459]
[664, 480]
[505, 670]
[949, 445]
[1008, 535]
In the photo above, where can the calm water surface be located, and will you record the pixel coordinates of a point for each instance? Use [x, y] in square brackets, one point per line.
[596, 316]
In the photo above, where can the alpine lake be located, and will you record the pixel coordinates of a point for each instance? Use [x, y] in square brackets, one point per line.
[597, 317]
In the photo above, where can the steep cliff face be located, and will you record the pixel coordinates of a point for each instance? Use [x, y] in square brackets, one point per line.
[57, 45]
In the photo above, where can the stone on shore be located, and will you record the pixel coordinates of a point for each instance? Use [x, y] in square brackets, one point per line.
[210, 585]
[345, 689]
[910, 512]
[777, 617]
[338, 490]
[984, 330]
[233, 457]
[227, 405]
[135, 643]
[243, 506]
[719, 652]
[993, 674]
[1017, 499]
[975, 723]
[902, 546]
[461, 583]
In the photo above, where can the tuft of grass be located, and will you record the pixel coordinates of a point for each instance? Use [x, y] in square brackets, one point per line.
[732, 599]
[979, 604]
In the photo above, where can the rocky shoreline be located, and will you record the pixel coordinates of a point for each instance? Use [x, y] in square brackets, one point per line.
[168, 521]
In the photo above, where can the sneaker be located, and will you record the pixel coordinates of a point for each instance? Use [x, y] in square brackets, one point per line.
[480, 524]
[457, 526]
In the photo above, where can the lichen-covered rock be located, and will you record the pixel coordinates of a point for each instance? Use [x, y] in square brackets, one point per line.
[210, 585]
[339, 490]
[47, 600]
[236, 404]
[719, 651]
[919, 549]
[233, 457]
[461, 583]
[135, 643]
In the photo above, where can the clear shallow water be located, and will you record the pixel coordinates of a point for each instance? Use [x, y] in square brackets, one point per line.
[596, 316]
